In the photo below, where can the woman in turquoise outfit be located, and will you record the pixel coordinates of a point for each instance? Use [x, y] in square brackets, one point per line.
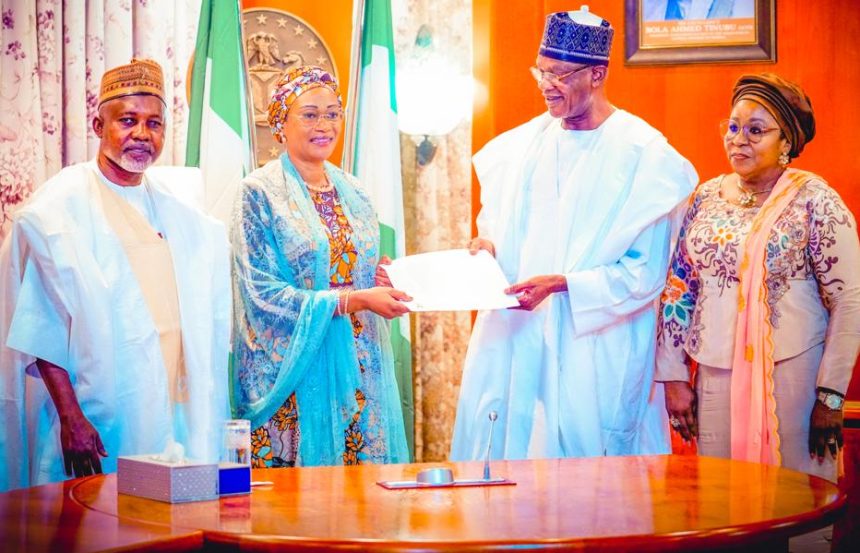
[312, 365]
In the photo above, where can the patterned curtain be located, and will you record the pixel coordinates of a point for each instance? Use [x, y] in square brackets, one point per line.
[438, 212]
[52, 56]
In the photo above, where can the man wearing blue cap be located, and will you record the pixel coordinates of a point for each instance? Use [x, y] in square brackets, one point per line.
[578, 206]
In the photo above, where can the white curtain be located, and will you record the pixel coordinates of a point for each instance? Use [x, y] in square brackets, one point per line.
[52, 56]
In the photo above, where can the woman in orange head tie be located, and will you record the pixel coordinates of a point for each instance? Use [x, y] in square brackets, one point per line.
[312, 366]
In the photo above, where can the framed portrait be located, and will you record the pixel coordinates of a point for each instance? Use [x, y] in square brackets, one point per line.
[699, 31]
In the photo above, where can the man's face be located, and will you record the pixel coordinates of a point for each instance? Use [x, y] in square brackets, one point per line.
[131, 129]
[569, 96]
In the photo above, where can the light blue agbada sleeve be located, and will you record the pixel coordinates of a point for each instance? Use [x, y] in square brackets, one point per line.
[34, 323]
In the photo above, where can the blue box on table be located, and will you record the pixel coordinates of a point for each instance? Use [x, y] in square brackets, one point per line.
[234, 479]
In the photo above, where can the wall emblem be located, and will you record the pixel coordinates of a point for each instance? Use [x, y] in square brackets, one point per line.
[275, 41]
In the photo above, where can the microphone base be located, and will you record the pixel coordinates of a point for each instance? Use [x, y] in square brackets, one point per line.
[466, 483]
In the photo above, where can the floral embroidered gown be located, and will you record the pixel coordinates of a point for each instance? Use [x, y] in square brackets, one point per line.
[275, 444]
[813, 284]
[319, 388]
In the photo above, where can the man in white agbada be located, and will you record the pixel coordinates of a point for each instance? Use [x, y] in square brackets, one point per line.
[578, 206]
[114, 310]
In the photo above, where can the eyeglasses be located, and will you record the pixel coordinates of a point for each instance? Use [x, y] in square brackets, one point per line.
[554, 79]
[311, 119]
[753, 132]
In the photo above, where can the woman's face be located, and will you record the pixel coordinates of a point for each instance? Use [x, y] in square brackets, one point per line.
[750, 159]
[313, 125]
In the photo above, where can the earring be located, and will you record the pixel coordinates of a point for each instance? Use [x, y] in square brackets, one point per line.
[784, 159]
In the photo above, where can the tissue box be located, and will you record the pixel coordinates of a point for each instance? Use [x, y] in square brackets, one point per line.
[143, 476]
[234, 479]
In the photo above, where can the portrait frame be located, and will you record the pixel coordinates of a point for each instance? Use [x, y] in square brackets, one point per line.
[726, 40]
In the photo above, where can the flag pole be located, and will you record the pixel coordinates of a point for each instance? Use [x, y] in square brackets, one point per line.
[349, 141]
[249, 101]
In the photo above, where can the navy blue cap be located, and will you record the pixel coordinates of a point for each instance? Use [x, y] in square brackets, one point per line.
[584, 40]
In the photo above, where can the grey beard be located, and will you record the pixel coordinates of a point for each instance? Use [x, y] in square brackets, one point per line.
[132, 165]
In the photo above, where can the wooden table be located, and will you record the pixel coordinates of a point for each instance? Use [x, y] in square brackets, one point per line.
[653, 503]
[49, 518]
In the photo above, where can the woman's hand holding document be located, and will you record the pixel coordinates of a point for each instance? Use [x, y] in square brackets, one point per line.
[451, 280]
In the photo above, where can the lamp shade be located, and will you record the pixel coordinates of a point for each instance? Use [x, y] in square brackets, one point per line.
[433, 96]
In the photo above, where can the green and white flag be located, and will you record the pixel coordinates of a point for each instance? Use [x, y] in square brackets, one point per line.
[372, 153]
[219, 137]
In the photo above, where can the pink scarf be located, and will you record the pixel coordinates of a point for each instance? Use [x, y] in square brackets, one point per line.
[753, 408]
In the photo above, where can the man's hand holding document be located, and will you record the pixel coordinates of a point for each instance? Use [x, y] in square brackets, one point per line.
[451, 280]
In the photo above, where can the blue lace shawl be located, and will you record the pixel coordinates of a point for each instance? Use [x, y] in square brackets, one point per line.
[286, 336]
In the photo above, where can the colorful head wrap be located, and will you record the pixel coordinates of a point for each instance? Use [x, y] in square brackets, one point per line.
[141, 76]
[785, 100]
[290, 86]
[577, 36]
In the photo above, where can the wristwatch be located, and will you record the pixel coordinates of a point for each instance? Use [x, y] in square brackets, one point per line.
[831, 400]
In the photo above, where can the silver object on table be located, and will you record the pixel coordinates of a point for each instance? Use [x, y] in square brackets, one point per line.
[435, 476]
[493, 417]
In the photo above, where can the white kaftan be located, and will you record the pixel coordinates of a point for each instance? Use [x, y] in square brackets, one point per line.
[69, 296]
[573, 377]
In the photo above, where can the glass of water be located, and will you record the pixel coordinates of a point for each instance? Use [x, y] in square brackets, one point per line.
[237, 442]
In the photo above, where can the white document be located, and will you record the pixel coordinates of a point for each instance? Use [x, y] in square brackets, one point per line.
[451, 280]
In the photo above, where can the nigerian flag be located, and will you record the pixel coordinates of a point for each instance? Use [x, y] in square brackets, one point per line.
[219, 137]
[372, 153]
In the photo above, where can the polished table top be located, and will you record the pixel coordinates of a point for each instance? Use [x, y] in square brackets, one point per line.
[602, 504]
